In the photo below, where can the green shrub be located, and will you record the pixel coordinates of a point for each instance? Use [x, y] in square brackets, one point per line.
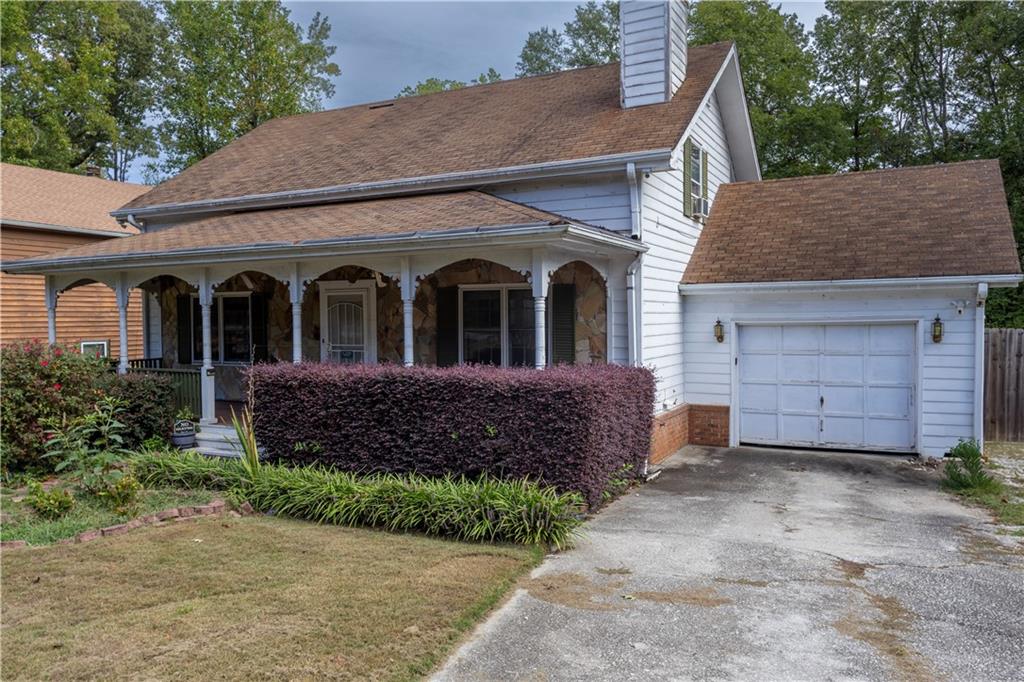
[484, 509]
[50, 504]
[965, 469]
[122, 496]
[148, 401]
[88, 447]
[42, 382]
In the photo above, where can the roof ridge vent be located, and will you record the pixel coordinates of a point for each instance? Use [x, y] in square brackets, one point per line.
[381, 105]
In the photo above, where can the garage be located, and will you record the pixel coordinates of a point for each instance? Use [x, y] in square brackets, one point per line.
[848, 386]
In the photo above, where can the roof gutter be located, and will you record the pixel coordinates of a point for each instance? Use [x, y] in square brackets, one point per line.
[429, 183]
[851, 284]
[52, 227]
[328, 247]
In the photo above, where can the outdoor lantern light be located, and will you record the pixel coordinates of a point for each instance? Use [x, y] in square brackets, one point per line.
[937, 329]
[720, 331]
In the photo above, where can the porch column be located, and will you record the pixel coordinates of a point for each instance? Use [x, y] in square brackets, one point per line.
[295, 291]
[207, 382]
[540, 306]
[408, 296]
[539, 277]
[123, 294]
[51, 310]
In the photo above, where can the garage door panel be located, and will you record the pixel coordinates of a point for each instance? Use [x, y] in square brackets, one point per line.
[799, 428]
[843, 369]
[763, 397]
[842, 386]
[889, 401]
[798, 368]
[889, 369]
[759, 367]
[799, 398]
[844, 339]
[801, 338]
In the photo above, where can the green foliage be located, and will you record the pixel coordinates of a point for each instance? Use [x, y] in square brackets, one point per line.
[123, 495]
[619, 483]
[247, 437]
[232, 66]
[148, 402]
[42, 383]
[50, 504]
[965, 469]
[89, 447]
[479, 510]
[592, 37]
[432, 85]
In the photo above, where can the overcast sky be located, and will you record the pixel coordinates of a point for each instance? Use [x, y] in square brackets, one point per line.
[384, 46]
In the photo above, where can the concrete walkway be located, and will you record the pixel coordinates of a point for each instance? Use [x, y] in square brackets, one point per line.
[768, 565]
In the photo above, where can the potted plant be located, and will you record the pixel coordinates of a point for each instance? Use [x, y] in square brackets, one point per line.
[183, 435]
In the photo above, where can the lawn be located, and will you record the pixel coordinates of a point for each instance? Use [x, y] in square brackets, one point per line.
[254, 597]
[21, 522]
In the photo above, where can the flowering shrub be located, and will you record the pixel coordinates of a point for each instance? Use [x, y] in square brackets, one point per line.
[570, 427]
[40, 382]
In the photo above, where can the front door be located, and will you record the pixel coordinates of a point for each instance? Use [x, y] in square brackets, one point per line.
[347, 323]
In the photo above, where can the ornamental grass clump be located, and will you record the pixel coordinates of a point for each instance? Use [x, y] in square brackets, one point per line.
[482, 509]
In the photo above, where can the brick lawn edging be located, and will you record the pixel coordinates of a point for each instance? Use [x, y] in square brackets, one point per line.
[174, 514]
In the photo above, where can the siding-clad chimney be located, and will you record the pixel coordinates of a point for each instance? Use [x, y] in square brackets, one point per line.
[652, 47]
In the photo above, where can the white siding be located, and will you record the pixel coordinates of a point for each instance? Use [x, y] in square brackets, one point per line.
[946, 384]
[602, 201]
[653, 50]
[671, 237]
[678, 18]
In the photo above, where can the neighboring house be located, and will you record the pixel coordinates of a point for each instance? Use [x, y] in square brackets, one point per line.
[41, 212]
[562, 218]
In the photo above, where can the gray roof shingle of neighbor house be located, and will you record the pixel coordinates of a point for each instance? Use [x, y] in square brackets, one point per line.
[924, 221]
[51, 198]
[542, 119]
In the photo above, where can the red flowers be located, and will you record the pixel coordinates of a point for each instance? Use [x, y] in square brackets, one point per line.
[57, 352]
[56, 387]
[44, 363]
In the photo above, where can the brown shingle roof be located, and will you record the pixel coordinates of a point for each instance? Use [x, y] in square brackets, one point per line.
[926, 221]
[287, 226]
[563, 116]
[48, 197]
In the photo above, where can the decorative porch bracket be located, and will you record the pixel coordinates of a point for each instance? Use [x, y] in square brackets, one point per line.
[207, 380]
[408, 296]
[296, 288]
[51, 309]
[539, 280]
[122, 292]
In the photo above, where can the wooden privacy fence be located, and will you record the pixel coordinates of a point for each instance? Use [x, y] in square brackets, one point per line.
[1004, 384]
[185, 383]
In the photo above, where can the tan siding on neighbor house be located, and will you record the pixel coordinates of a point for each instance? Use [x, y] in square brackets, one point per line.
[86, 312]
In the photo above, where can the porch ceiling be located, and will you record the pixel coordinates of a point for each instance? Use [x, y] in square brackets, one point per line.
[308, 228]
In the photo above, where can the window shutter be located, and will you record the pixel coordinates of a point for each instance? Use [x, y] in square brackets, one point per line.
[687, 197]
[447, 326]
[184, 329]
[563, 323]
[704, 177]
[259, 339]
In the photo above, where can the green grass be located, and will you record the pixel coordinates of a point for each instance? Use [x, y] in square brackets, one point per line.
[21, 522]
[1006, 510]
[248, 598]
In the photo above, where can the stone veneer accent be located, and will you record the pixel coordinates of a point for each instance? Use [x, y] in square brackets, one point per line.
[591, 311]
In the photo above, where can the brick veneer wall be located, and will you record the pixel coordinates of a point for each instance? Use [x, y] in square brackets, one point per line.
[689, 425]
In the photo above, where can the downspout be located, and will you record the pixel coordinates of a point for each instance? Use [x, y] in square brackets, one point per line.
[979, 365]
[634, 276]
[130, 219]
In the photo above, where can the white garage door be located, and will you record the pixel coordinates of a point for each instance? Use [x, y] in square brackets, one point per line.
[835, 386]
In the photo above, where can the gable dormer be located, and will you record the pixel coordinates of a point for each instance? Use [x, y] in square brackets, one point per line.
[652, 50]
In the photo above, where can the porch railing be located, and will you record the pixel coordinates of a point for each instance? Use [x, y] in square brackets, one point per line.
[146, 363]
[185, 383]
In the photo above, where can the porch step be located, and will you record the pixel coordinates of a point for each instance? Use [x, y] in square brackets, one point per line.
[218, 441]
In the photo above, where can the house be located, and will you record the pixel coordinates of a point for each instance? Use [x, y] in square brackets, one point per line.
[606, 214]
[43, 211]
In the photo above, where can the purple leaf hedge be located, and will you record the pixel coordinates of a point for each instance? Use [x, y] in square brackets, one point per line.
[571, 427]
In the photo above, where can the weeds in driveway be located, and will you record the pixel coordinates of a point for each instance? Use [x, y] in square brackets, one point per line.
[966, 475]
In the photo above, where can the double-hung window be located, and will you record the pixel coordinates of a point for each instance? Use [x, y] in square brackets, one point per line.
[231, 328]
[496, 325]
[696, 188]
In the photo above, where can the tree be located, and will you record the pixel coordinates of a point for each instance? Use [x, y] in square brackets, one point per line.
[592, 37]
[57, 66]
[434, 84]
[232, 66]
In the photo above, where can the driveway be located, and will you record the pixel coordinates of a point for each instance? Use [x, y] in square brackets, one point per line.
[768, 565]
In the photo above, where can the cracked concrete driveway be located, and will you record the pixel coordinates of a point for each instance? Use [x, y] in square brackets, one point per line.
[768, 565]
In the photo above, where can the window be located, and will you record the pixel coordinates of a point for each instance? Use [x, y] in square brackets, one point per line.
[496, 326]
[99, 349]
[230, 328]
[696, 187]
